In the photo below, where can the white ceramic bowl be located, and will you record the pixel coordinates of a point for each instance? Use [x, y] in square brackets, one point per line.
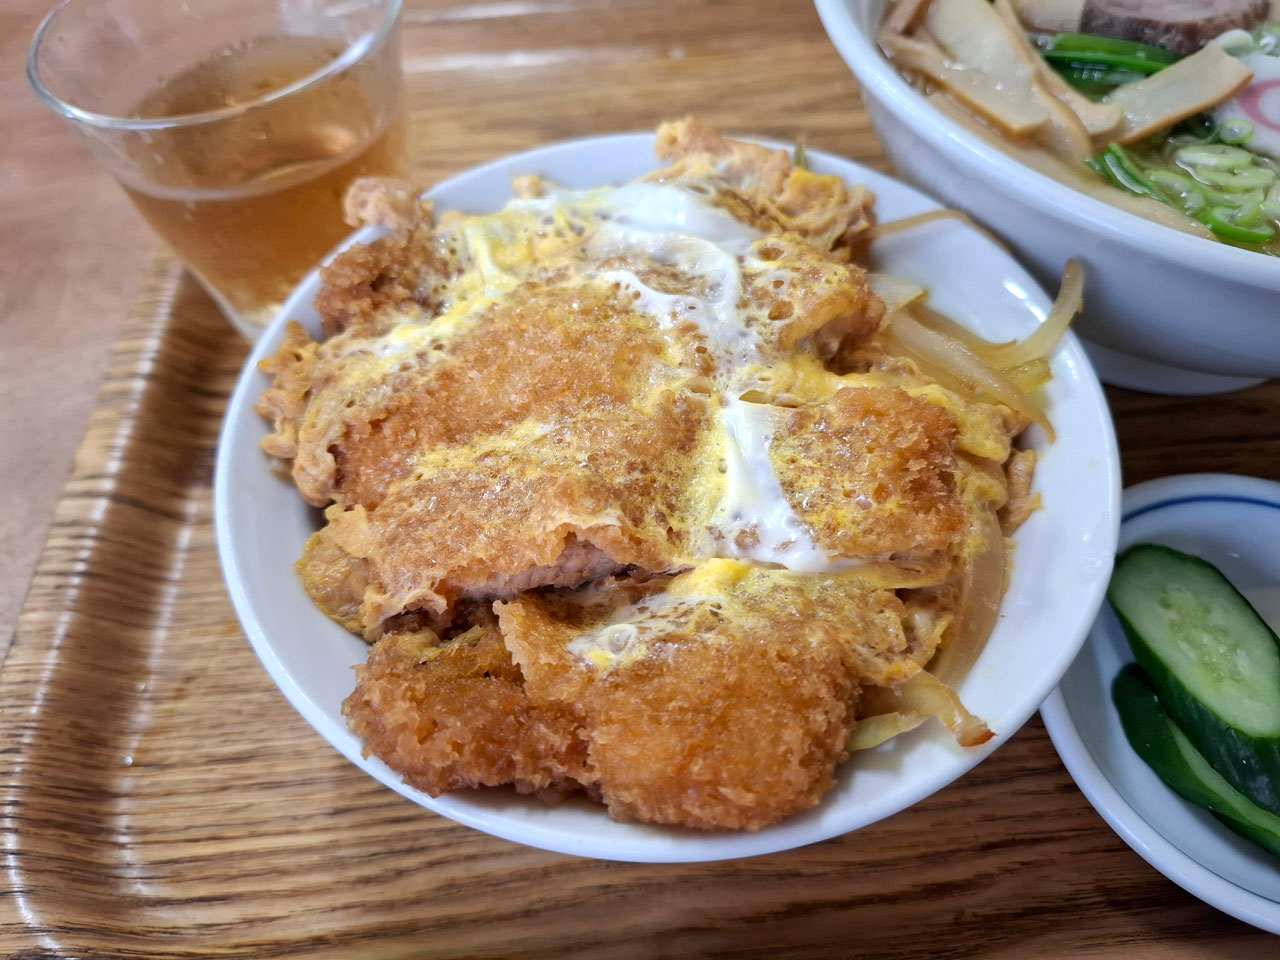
[1234, 523]
[1063, 557]
[1153, 293]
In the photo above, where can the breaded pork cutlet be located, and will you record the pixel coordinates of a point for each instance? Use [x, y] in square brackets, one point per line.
[721, 698]
[624, 491]
[454, 714]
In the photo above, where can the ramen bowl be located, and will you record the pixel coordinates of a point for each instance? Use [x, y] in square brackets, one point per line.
[1062, 559]
[1165, 311]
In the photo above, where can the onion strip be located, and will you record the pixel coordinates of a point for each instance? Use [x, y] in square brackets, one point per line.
[916, 699]
[981, 588]
[895, 292]
[906, 223]
[1045, 337]
[960, 363]
[1030, 375]
[943, 324]
[873, 731]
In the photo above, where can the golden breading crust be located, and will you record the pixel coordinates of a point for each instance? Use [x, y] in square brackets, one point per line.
[448, 715]
[362, 285]
[731, 710]
[733, 696]
[541, 435]
[768, 188]
[873, 470]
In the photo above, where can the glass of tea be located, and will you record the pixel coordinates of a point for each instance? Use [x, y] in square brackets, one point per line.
[233, 125]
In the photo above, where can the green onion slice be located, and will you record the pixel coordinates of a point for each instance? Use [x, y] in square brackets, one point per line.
[1087, 43]
[1127, 174]
[1250, 178]
[1235, 130]
[1221, 220]
[1219, 155]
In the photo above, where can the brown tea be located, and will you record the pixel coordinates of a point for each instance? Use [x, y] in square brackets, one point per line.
[253, 200]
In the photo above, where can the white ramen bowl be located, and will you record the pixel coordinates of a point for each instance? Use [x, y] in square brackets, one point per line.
[1063, 557]
[1170, 312]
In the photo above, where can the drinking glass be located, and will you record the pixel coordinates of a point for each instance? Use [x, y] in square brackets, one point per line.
[233, 125]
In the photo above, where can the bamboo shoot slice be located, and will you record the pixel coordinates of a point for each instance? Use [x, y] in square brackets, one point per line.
[974, 35]
[1190, 86]
[905, 15]
[1016, 116]
[1051, 16]
[1099, 119]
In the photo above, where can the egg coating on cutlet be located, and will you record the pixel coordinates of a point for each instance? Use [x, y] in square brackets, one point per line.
[624, 491]
[723, 699]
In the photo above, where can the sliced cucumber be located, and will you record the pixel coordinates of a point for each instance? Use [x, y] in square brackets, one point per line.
[1213, 661]
[1167, 751]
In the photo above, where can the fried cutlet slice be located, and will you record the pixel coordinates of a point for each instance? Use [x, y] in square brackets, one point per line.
[798, 296]
[350, 421]
[355, 423]
[762, 186]
[725, 698]
[518, 510]
[871, 474]
[448, 714]
[371, 287]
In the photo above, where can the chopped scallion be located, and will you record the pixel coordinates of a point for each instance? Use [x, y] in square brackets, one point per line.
[1218, 155]
[1235, 130]
[1222, 221]
[1249, 178]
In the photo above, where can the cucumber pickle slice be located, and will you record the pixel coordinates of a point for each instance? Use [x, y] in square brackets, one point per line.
[1213, 661]
[1167, 751]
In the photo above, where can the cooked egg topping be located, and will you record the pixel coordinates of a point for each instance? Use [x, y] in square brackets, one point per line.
[706, 427]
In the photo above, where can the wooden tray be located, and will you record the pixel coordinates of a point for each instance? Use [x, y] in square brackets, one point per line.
[161, 798]
[167, 802]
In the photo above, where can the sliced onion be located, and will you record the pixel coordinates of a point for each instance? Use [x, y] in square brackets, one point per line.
[923, 696]
[873, 731]
[906, 223]
[1031, 375]
[1045, 337]
[981, 587]
[896, 292]
[955, 361]
[943, 324]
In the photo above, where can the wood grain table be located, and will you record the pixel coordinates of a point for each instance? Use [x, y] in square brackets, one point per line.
[159, 796]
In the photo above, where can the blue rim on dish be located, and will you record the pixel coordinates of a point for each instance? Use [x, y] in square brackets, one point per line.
[1234, 522]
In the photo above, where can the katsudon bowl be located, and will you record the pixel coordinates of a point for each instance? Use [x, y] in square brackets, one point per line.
[1062, 554]
[1171, 312]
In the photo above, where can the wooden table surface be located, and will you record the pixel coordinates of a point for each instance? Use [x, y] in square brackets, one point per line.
[1009, 862]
